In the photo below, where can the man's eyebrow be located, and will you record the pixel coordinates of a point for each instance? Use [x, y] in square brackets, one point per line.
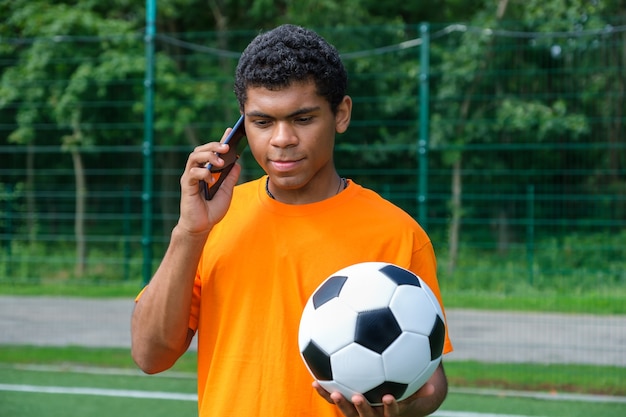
[304, 110]
[298, 112]
[257, 114]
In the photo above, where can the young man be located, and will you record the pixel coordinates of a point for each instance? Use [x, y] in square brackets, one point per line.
[240, 267]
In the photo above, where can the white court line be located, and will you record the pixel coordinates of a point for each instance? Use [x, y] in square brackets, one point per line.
[175, 396]
[193, 397]
[78, 369]
[100, 392]
[556, 396]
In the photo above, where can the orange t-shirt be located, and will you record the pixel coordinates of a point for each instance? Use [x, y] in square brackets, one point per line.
[259, 266]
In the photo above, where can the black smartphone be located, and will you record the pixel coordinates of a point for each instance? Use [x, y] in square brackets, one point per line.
[237, 141]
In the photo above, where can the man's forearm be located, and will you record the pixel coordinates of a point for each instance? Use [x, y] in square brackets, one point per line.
[427, 405]
[159, 325]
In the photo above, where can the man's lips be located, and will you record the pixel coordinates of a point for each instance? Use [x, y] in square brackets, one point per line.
[284, 165]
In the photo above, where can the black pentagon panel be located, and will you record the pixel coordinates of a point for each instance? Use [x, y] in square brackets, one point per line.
[318, 361]
[376, 329]
[437, 338]
[375, 395]
[400, 276]
[329, 290]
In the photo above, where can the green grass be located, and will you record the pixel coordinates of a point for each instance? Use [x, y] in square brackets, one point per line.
[82, 356]
[581, 379]
[541, 301]
[73, 289]
[113, 369]
[67, 405]
[570, 273]
[34, 404]
[28, 404]
[511, 405]
[82, 377]
[532, 377]
[608, 302]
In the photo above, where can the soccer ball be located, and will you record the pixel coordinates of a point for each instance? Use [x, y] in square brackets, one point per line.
[372, 328]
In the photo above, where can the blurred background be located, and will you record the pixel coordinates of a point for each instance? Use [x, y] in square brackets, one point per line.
[499, 125]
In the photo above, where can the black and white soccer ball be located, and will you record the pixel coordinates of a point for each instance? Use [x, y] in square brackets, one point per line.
[372, 328]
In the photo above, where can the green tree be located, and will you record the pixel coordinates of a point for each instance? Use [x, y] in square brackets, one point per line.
[67, 57]
[72, 56]
[515, 111]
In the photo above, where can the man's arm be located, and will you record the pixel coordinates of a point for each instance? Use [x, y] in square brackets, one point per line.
[160, 331]
[418, 405]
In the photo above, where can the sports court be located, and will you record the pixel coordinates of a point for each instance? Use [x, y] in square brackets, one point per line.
[32, 390]
[121, 393]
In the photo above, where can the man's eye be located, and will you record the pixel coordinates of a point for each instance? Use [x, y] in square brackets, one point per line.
[261, 123]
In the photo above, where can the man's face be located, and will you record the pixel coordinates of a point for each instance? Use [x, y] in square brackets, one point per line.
[291, 133]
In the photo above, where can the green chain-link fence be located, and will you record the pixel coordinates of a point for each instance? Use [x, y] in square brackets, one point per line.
[507, 145]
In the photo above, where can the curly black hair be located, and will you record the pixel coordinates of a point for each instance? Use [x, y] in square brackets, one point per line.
[288, 54]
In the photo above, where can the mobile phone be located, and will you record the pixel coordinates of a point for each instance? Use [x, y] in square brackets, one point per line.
[237, 142]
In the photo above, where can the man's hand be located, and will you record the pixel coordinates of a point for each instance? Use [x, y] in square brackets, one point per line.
[422, 403]
[198, 215]
[359, 407]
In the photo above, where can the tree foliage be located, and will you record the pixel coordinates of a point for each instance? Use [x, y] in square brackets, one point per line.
[72, 76]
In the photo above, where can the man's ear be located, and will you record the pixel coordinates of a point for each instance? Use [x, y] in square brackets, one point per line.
[343, 114]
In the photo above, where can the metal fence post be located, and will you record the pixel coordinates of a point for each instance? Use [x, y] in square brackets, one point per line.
[148, 143]
[422, 146]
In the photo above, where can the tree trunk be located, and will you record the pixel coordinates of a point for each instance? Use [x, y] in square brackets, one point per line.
[456, 206]
[455, 221]
[616, 128]
[31, 206]
[79, 215]
[170, 206]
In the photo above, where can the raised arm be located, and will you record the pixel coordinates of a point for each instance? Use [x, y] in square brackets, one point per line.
[160, 331]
